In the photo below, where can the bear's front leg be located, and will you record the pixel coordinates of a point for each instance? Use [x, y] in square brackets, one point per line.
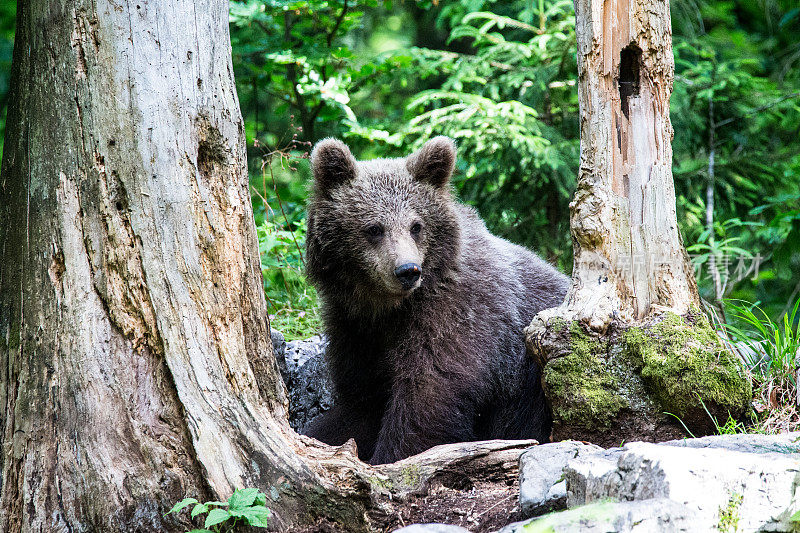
[424, 411]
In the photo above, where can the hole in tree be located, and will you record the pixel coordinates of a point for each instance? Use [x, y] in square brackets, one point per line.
[630, 59]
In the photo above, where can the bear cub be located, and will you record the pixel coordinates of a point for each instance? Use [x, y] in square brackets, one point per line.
[424, 309]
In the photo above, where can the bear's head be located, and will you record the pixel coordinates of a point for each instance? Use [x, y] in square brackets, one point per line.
[383, 230]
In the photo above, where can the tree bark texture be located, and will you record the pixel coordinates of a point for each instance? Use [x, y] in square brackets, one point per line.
[135, 360]
[629, 256]
[628, 344]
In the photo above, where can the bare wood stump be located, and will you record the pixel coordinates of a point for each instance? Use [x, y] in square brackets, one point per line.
[629, 344]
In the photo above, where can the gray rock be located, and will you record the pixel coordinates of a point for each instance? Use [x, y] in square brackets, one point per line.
[542, 487]
[646, 516]
[751, 479]
[279, 348]
[305, 374]
[431, 528]
[784, 443]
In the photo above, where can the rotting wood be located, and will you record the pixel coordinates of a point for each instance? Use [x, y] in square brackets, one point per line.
[629, 327]
[629, 256]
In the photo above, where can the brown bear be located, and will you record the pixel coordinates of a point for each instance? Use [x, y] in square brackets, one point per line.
[424, 308]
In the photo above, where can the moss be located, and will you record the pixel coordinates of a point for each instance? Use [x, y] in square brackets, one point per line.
[593, 514]
[384, 483]
[683, 361]
[729, 515]
[411, 475]
[580, 379]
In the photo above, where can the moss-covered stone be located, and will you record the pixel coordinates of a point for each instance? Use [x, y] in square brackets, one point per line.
[686, 367]
[585, 389]
[619, 385]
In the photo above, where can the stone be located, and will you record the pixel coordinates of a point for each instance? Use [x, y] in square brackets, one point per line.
[305, 374]
[279, 349]
[311, 393]
[542, 487]
[750, 481]
[431, 528]
[784, 443]
[645, 516]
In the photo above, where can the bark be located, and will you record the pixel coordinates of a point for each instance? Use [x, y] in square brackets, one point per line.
[135, 361]
[614, 347]
[629, 257]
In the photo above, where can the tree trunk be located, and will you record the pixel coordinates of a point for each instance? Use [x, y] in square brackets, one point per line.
[614, 345]
[135, 362]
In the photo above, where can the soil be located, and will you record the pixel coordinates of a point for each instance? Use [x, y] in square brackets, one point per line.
[482, 507]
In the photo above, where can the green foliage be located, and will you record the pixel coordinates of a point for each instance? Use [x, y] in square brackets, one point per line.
[244, 507]
[729, 515]
[771, 350]
[7, 26]
[291, 59]
[736, 96]
[281, 231]
[511, 105]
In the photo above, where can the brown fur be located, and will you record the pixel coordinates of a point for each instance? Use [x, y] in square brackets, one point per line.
[444, 361]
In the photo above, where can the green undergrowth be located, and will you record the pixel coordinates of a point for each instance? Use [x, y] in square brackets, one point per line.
[771, 352]
[245, 507]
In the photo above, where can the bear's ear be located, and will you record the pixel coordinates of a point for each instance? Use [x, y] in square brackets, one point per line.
[332, 164]
[434, 162]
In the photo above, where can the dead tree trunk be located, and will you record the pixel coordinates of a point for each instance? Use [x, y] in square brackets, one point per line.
[135, 362]
[629, 343]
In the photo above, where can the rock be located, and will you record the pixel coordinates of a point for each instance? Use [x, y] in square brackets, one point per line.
[279, 348]
[431, 528]
[644, 516]
[305, 374]
[750, 481]
[311, 393]
[541, 483]
[784, 443]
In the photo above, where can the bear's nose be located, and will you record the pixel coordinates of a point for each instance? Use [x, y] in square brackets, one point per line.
[408, 274]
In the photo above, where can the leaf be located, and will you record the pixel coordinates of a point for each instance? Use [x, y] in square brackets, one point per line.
[199, 509]
[242, 498]
[216, 516]
[186, 502]
[256, 516]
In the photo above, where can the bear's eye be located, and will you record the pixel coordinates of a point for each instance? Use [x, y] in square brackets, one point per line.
[416, 228]
[374, 230]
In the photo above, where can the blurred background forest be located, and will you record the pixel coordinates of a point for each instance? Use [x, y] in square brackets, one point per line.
[500, 78]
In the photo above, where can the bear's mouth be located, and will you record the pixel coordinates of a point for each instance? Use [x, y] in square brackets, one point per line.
[399, 291]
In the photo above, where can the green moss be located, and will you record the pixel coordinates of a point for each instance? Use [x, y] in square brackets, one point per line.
[684, 361]
[590, 393]
[384, 483]
[411, 475]
[580, 518]
[729, 515]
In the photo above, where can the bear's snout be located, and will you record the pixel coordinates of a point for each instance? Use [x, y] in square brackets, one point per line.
[408, 274]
